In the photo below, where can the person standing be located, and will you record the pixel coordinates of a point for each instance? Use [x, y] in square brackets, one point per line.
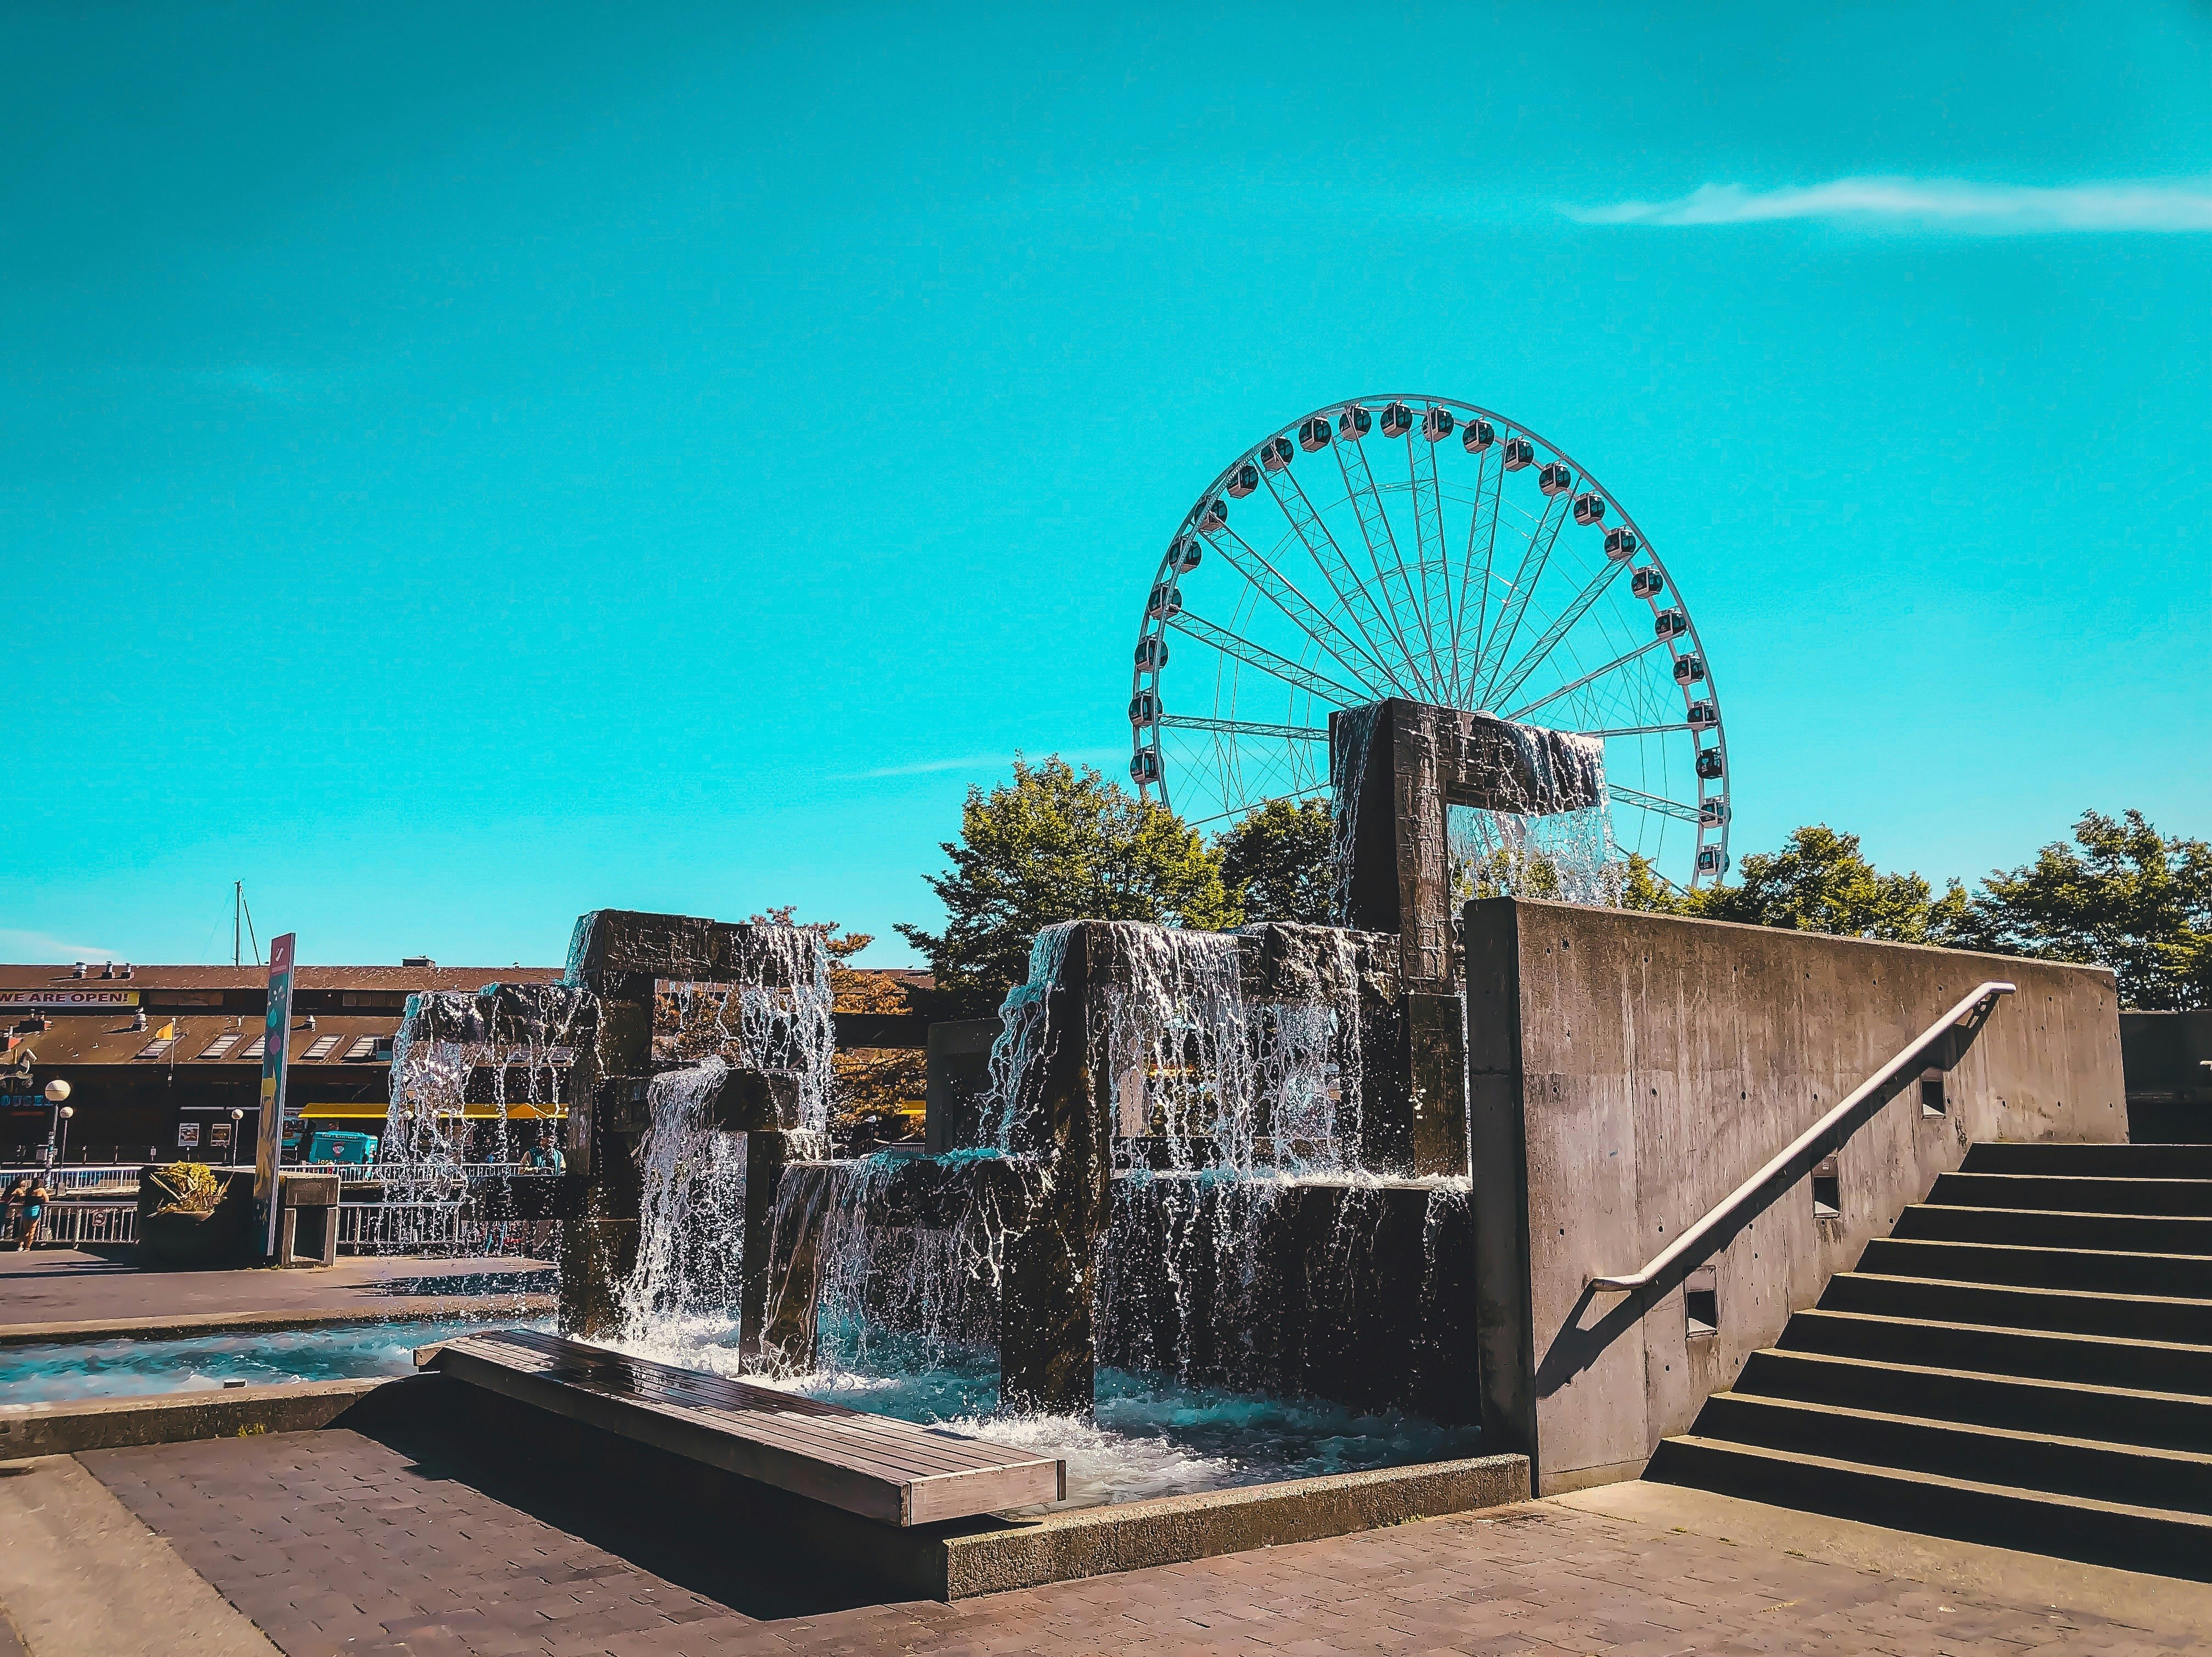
[543, 1157]
[18, 1194]
[35, 1203]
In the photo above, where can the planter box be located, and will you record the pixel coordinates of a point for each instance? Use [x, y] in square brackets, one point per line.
[223, 1238]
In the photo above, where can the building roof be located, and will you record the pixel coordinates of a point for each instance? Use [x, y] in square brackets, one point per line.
[106, 1035]
[103, 1039]
[256, 977]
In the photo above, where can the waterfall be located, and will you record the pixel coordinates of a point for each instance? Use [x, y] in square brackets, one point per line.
[1539, 851]
[691, 1205]
[506, 1046]
[894, 1255]
[1351, 733]
[1018, 1055]
[772, 1013]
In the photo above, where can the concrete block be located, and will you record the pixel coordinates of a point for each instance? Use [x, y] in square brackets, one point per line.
[1627, 1072]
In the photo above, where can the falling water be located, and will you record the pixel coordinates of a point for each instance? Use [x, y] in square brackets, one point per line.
[691, 1210]
[908, 1257]
[772, 1014]
[1537, 853]
[1018, 1056]
[1350, 733]
[509, 1047]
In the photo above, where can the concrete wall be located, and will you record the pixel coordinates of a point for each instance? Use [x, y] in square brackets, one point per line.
[2165, 1055]
[1627, 1072]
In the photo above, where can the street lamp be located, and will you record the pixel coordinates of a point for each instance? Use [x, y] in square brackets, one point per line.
[236, 1117]
[56, 1091]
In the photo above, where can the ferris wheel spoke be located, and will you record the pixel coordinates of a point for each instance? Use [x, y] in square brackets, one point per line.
[1451, 595]
[1375, 530]
[1518, 674]
[1658, 803]
[1308, 616]
[1621, 661]
[1245, 728]
[1336, 570]
[1306, 793]
[1430, 559]
[1481, 531]
[1265, 660]
[1533, 560]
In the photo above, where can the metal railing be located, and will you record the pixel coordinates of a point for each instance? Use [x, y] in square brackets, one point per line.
[1938, 1048]
[86, 1222]
[75, 1176]
[435, 1227]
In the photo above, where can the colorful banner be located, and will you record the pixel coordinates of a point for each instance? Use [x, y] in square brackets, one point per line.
[273, 1072]
[69, 1000]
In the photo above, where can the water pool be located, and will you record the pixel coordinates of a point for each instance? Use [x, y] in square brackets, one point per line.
[1149, 1435]
[122, 1369]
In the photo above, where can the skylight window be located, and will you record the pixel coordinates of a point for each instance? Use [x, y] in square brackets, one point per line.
[258, 1048]
[220, 1046]
[362, 1047]
[322, 1047]
[156, 1049]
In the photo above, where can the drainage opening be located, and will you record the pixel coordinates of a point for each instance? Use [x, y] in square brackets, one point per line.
[1827, 1191]
[1701, 1302]
[1932, 1101]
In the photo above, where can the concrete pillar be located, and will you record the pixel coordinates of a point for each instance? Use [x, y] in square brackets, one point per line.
[768, 1152]
[1048, 1312]
[598, 1246]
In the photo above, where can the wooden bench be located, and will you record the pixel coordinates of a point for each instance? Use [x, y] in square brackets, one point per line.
[891, 1471]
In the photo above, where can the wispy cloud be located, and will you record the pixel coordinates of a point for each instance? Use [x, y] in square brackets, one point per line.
[1933, 204]
[985, 763]
[18, 946]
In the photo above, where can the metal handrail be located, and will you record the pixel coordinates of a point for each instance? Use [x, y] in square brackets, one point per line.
[1969, 1015]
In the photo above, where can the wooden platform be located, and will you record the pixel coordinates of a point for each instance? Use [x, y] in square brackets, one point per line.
[892, 1472]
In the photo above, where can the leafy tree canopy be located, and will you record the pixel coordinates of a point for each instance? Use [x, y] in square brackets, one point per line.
[1057, 844]
[1819, 882]
[2123, 896]
[1277, 862]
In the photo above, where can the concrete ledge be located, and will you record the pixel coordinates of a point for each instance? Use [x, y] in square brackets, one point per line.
[1172, 1530]
[64, 1428]
[401, 1310]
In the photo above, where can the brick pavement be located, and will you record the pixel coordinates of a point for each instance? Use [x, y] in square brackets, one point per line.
[67, 1284]
[336, 1543]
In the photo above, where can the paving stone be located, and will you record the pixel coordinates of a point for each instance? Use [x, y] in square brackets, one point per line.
[335, 1542]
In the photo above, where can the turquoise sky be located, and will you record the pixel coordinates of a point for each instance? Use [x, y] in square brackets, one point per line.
[462, 466]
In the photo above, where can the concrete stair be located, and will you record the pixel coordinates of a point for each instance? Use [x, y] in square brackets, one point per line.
[2027, 1361]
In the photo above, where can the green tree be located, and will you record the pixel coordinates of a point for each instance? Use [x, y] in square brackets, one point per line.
[1056, 844]
[2128, 898]
[1645, 887]
[1819, 882]
[1278, 862]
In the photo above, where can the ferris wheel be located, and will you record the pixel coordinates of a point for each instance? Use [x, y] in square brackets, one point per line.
[1424, 548]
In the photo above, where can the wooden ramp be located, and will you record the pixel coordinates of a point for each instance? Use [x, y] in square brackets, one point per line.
[892, 1472]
